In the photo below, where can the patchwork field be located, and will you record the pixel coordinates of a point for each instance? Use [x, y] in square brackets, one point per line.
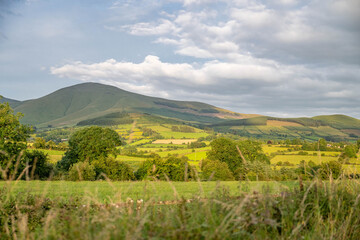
[174, 141]
[296, 159]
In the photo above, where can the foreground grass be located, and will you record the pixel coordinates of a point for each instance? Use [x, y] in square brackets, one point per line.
[106, 192]
[321, 210]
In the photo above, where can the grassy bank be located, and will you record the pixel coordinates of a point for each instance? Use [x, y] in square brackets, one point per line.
[321, 210]
[105, 192]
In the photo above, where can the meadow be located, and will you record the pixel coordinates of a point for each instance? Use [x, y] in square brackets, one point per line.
[115, 191]
[104, 210]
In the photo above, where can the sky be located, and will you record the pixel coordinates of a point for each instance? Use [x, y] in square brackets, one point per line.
[284, 58]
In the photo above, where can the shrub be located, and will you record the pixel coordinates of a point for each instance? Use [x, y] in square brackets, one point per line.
[216, 170]
[175, 168]
[113, 169]
[39, 166]
[82, 171]
[328, 169]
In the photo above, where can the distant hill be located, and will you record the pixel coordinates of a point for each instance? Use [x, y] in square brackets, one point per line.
[330, 127]
[13, 103]
[71, 105]
[98, 104]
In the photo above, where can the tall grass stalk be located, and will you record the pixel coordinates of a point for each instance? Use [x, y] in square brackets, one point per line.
[323, 210]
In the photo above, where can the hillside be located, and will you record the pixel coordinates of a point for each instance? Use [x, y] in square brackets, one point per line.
[13, 103]
[98, 104]
[330, 127]
[73, 104]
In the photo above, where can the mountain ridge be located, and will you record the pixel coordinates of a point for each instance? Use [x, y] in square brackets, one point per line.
[91, 103]
[69, 105]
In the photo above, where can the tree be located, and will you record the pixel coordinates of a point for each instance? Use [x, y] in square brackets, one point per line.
[216, 170]
[13, 137]
[39, 143]
[90, 144]
[252, 151]
[224, 150]
[349, 152]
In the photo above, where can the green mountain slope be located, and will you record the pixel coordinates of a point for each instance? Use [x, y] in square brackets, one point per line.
[70, 105]
[339, 121]
[13, 103]
[330, 127]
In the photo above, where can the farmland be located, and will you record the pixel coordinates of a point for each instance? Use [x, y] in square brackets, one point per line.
[179, 146]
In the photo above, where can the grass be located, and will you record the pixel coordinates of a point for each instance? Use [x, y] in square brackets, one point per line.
[105, 192]
[58, 210]
[174, 141]
[178, 135]
[180, 152]
[348, 168]
[196, 156]
[272, 149]
[164, 146]
[50, 152]
[296, 159]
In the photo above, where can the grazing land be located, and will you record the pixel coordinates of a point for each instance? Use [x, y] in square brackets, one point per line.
[113, 192]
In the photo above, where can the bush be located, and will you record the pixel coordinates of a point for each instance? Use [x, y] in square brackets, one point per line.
[216, 170]
[82, 171]
[113, 169]
[39, 166]
[175, 168]
[328, 169]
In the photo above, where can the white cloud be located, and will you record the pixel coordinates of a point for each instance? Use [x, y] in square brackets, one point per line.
[290, 55]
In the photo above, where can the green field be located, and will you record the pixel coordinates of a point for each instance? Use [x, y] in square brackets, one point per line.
[102, 191]
[196, 156]
[175, 152]
[296, 159]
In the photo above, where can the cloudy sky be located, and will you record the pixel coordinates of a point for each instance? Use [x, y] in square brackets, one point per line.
[276, 57]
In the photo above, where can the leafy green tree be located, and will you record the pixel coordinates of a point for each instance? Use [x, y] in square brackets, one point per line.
[224, 150]
[216, 170]
[39, 143]
[13, 137]
[252, 151]
[90, 144]
[349, 152]
[51, 145]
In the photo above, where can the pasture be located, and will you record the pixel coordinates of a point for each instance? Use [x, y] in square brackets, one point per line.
[296, 159]
[174, 141]
[113, 192]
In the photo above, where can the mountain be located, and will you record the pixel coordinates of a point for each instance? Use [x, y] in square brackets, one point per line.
[13, 103]
[73, 104]
[98, 104]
